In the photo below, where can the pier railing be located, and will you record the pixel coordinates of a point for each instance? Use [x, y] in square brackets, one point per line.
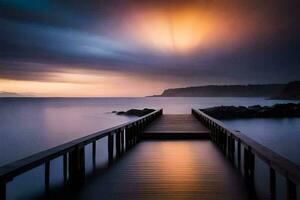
[229, 140]
[73, 153]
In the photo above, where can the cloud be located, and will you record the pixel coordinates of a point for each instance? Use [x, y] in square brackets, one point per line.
[245, 41]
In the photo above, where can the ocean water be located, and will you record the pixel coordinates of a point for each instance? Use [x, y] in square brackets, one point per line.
[35, 124]
[30, 125]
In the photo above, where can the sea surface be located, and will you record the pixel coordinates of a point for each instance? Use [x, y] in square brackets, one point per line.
[30, 125]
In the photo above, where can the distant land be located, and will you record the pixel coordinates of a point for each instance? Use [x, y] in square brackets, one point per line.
[274, 91]
[291, 91]
[10, 94]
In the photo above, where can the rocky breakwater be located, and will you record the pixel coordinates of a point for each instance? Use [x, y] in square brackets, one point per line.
[135, 112]
[256, 111]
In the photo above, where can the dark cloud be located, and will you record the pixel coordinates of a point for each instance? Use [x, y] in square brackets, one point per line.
[38, 38]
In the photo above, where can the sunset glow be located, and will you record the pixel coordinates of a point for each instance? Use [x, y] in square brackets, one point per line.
[83, 84]
[176, 30]
[185, 29]
[92, 49]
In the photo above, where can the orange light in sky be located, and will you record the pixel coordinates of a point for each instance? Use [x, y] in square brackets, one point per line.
[184, 29]
[70, 83]
[176, 30]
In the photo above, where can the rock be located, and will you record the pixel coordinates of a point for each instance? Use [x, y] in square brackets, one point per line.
[256, 111]
[135, 112]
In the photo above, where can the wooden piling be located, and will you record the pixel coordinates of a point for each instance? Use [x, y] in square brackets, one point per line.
[94, 148]
[249, 164]
[272, 182]
[122, 141]
[2, 190]
[291, 191]
[232, 150]
[110, 148]
[77, 166]
[239, 155]
[118, 143]
[246, 163]
[47, 176]
[65, 168]
[127, 138]
[251, 158]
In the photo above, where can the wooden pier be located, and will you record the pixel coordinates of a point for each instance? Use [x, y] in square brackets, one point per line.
[207, 178]
[176, 127]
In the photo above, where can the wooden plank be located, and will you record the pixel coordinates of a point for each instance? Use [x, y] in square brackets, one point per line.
[176, 127]
[170, 170]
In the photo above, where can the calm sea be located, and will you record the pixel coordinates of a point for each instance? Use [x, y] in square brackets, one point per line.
[30, 125]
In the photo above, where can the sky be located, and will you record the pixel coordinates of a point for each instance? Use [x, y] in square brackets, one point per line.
[138, 48]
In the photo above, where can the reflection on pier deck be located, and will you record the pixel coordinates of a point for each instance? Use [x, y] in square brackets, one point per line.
[167, 170]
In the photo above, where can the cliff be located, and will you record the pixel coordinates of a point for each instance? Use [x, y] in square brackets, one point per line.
[267, 90]
[291, 91]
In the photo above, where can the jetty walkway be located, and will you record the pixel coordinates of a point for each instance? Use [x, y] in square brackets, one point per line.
[162, 156]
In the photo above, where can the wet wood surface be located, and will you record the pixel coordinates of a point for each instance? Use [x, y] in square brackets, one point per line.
[177, 169]
[176, 126]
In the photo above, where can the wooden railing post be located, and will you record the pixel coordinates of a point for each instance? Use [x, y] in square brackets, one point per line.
[249, 164]
[128, 134]
[227, 147]
[138, 128]
[134, 134]
[232, 149]
[224, 135]
[291, 190]
[2, 190]
[65, 168]
[122, 141]
[239, 155]
[251, 167]
[272, 180]
[127, 138]
[77, 166]
[47, 176]
[110, 147]
[246, 162]
[131, 136]
[94, 148]
[118, 143]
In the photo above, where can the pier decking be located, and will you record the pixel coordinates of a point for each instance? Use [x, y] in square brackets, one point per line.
[175, 169]
[176, 127]
[169, 169]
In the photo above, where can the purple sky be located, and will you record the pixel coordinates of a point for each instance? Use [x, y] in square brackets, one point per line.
[136, 48]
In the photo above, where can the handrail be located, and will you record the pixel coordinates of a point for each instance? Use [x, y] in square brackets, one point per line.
[281, 164]
[226, 139]
[13, 169]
